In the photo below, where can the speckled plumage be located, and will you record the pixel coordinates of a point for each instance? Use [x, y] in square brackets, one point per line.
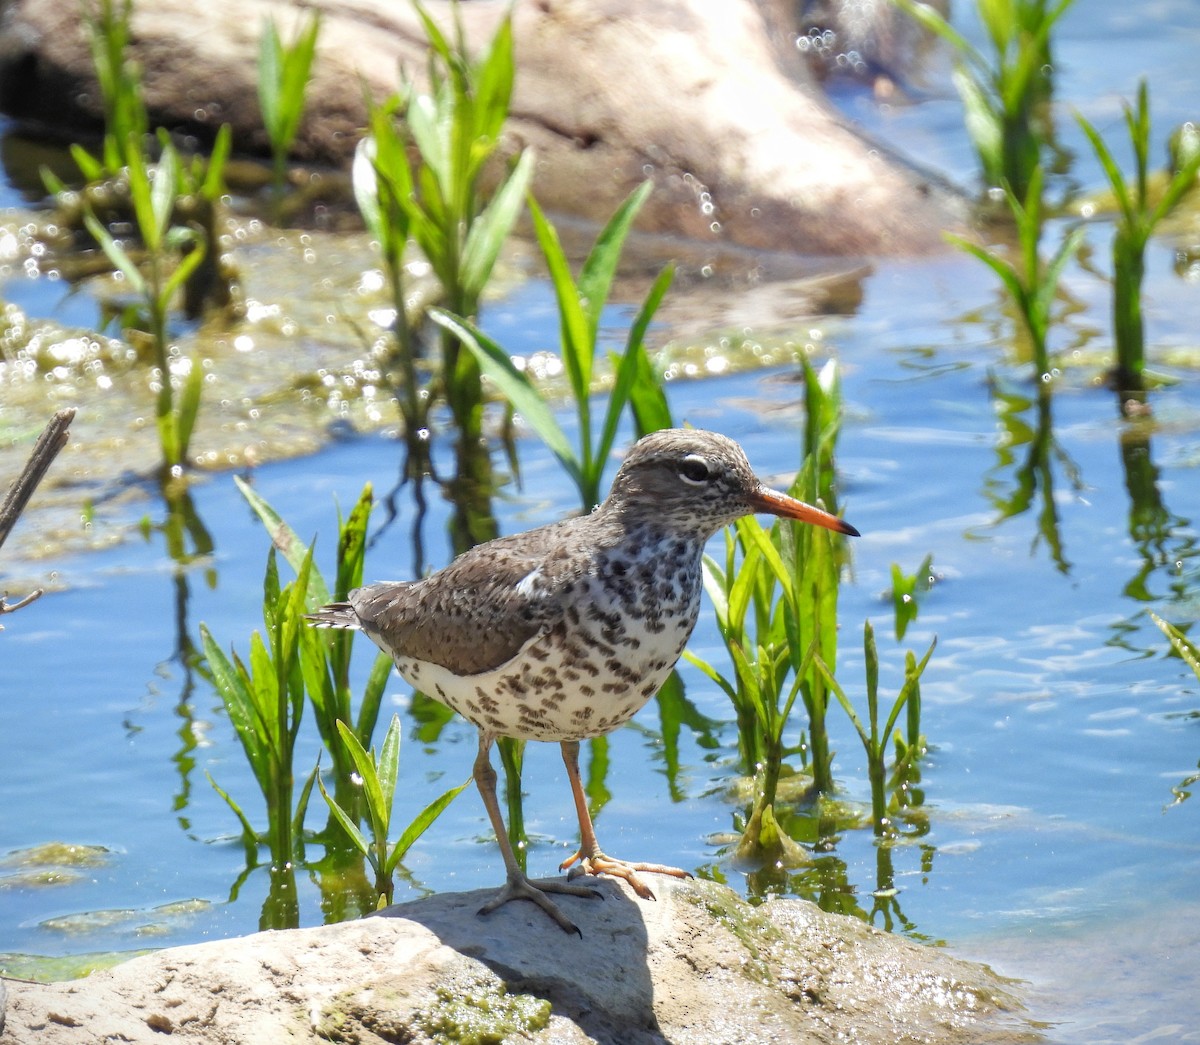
[564, 632]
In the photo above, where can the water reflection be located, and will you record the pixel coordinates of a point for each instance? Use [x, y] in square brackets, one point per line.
[1151, 524]
[1016, 482]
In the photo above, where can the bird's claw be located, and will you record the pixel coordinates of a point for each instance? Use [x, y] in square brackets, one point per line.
[598, 863]
[521, 888]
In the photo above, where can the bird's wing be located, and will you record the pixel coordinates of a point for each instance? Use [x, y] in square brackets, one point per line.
[478, 612]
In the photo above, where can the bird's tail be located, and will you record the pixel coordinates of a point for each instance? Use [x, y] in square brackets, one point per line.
[335, 615]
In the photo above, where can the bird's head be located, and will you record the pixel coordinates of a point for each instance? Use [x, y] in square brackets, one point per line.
[697, 481]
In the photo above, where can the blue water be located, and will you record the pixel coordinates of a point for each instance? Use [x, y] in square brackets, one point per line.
[1059, 725]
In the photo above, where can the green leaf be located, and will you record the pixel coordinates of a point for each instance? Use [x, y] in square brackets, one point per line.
[911, 682]
[577, 346]
[233, 687]
[750, 527]
[368, 711]
[633, 371]
[189, 407]
[596, 276]
[249, 837]
[115, 253]
[514, 385]
[285, 539]
[389, 765]
[1116, 179]
[270, 58]
[353, 831]
[491, 228]
[842, 699]
[421, 824]
[164, 192]
[90, 167]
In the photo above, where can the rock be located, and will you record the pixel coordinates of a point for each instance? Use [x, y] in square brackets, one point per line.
[742, 147]
[699, 966]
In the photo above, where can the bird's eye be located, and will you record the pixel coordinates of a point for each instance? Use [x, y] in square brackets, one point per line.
[694, 469]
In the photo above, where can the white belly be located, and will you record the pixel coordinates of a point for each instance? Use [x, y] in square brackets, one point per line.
[582, 679]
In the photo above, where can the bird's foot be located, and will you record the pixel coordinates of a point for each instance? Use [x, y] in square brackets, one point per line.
[598, 863]
[521, 888]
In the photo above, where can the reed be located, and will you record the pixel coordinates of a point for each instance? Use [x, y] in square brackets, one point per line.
[1141, 206]
[775, 600]
[875, 740]
[439, 201]
[378, 774]
[581, 304]
[1031, 283]
[283, 75]
[170, 255]
[1005, 92]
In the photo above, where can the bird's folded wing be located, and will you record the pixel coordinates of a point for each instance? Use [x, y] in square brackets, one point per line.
[473, 616]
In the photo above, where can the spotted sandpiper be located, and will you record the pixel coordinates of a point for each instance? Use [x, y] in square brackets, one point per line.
[565, 631]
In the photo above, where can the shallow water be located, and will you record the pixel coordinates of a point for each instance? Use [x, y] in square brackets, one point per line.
[1055, 844]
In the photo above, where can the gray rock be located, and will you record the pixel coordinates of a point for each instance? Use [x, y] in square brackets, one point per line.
[742, 146]
[699, 967]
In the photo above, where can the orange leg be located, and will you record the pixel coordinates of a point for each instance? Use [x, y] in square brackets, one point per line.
[590, 858]
[518, 886]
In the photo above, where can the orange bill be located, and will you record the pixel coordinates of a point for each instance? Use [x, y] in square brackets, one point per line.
[775, 503]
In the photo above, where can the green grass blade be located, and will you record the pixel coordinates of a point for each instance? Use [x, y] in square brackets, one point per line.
[302, 808]
[364, 762]
[634, 370]
[285, 539]
[911, 682]
[249, 836]
[1003, 270]
[368, 712]
[353, 831]
[840, 696]
[596, 276]
[115, 253]
[419, 825]
[1116, 179]
[491, 228]
[515, 386]
[712, 673]
[576, 346]
[754, 530]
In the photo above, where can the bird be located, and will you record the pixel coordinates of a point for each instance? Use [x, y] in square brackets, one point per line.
[562, 633]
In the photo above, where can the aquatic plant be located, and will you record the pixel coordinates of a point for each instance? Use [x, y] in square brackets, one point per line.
[1140, 211]
[1005, 92]
[775, 599]
[126, 123]
[875, 740]
[378, 773]
[265, 702]
[580, 306]
[171, 255]
[283, 74]
[439, 201]
[904, 592]
[1031, 283]
[325, 652]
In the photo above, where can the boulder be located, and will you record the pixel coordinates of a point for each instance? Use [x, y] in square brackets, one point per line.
[705, 97]
[699, 966]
